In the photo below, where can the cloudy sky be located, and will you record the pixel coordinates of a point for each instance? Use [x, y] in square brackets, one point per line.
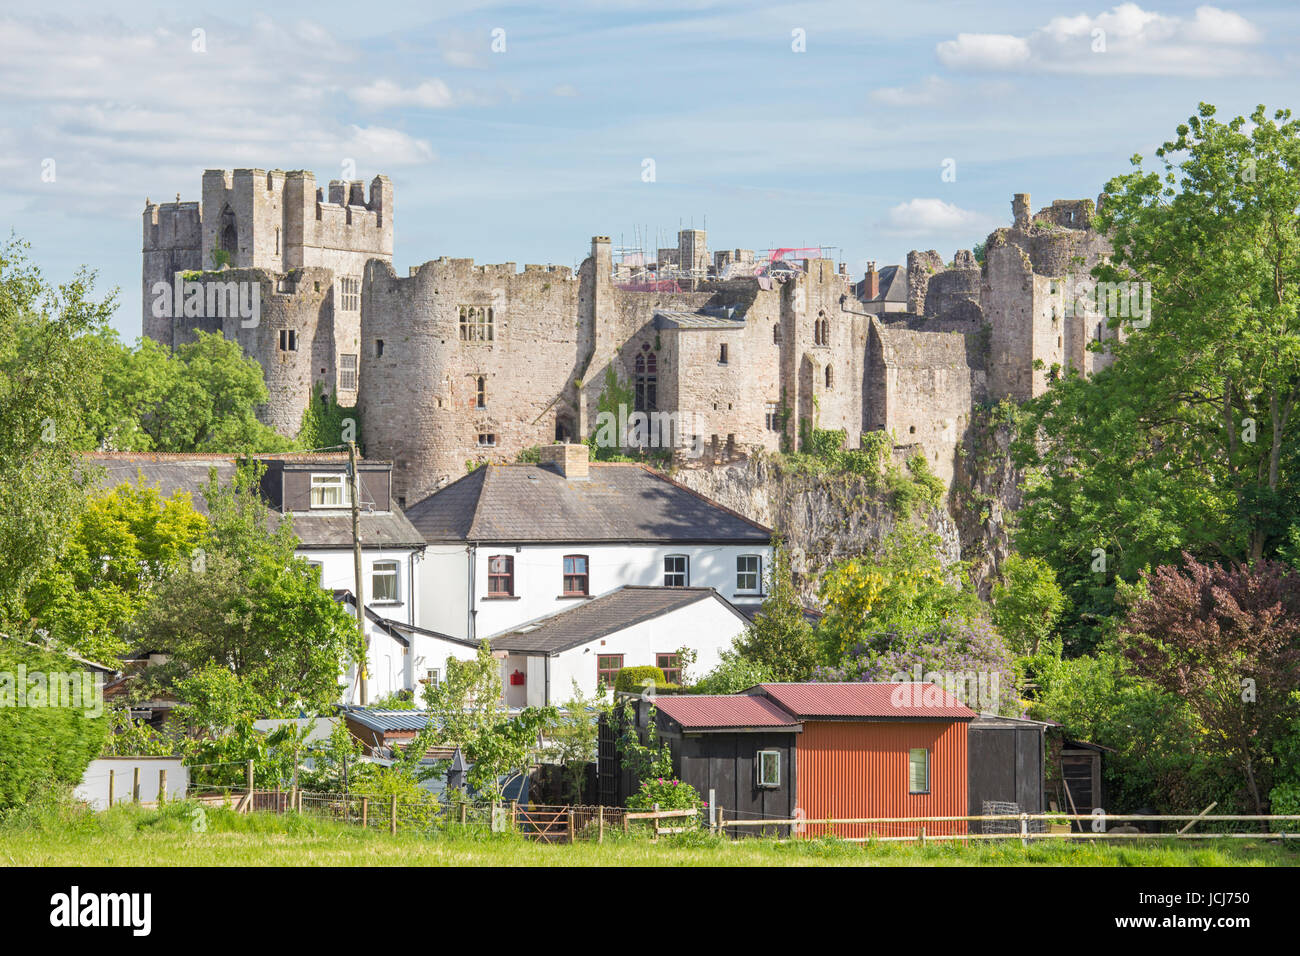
[515, 132]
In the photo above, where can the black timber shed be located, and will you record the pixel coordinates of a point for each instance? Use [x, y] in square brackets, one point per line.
[1005, 763]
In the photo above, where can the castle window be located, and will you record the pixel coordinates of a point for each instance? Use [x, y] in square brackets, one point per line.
[487, 440]
[288, 340]
[1098, 331]
[480, 392]
[776, 333]
[348, 372]
[349, 294]
[277, 242]
[830, 377]
[772, 417]
[822, 330]
[475, 323]
[229, 240]
[379, 348]
[646, 380]
[722, 355]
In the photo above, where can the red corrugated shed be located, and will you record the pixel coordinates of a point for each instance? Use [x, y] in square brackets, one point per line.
[722, 712]
[857, 701]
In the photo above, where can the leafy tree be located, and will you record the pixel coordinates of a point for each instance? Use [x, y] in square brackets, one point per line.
[779, 639]
[467, 710]
[326, 423]
[1027, 602]
[249, 605]
[1227, 641]
[124, 544]
[1188, 441]
[571, 740]
[733, 674]
[45, 370]
[905, 588]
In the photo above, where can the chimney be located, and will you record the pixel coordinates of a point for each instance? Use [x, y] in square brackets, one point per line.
[871, 283]
[569, 460]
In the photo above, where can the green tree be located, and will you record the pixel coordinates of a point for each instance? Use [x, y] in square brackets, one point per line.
[1027, 602]
[734, 673]
[1187, 442]
[780, 639]
[124, 544]
[248, 604]
[46, 371]
[327, 424]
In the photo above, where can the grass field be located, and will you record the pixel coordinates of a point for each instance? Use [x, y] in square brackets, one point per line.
[131, 836]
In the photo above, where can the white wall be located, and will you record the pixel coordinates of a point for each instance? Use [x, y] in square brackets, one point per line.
[337, 573]
[539, 579]
[94, 782]
[707, 626]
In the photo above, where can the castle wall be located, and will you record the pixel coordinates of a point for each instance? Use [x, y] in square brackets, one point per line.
[172, 243]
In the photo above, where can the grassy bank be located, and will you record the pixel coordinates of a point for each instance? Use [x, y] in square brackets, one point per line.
[179, 836]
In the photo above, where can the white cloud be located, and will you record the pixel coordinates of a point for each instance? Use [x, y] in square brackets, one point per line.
[564, 89]
[923, 217]
[384, 94]
[929, 92]
[1125, 39]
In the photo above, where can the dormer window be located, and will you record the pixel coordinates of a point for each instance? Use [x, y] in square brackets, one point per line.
[330, 491]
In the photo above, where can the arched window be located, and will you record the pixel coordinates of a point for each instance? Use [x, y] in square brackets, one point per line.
[830, 377]
[646, 380]
[229, 237]
[480, 392]
[822, 330]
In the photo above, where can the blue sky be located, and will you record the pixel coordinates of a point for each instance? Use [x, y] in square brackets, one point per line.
[523, 154]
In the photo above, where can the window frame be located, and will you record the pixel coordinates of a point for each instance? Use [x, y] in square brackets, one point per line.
[601, 670]
[507, 575]
[757, 573]
[349, 294]
[288, 340]
[585, 575]
[395, 574]
[760, 758]
[911, 756]
[684, 573]
[346, 373]
[476, 324]
[672, 669]
[329, 481]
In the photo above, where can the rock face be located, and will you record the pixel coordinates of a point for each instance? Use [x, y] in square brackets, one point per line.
[821, 518]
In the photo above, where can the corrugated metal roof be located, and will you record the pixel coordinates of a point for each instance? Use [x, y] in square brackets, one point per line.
[388, 721]
[705, 712]
[866, 701]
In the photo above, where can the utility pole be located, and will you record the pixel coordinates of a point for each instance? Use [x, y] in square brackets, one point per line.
[363, 675]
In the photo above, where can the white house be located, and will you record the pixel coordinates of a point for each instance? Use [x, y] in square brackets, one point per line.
[511, 544]
[631, 626]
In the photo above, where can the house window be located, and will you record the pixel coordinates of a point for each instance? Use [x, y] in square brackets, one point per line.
[319, 568]
[749, 568]
[349, 294]
[288, 340]
[480, 392]
[671, 665]
[475, 323]
[772, 417]
[383, 582]
[575, 574]
[348, 373]
[501, 575]
[722, 355]
[645, 380]
[431, 677]
[607, 668]
[677, 572]
[769, 768]
[830, 377]
[330, 491]
[918, 770]
[487, 440]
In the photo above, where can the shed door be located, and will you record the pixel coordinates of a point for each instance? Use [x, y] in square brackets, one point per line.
[536, 679]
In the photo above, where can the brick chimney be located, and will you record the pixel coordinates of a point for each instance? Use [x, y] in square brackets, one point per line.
[570, 460]
[871, 283]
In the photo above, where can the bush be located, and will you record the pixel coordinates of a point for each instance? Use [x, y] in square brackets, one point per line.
[669, 793]
[41, 746]
[632, 679]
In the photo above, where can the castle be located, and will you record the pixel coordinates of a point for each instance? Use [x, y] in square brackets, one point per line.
[457, 362]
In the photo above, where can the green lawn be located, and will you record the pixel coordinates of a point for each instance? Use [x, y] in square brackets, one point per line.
[130, 836]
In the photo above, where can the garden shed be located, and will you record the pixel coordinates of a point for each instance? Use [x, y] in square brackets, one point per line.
[1005, 761]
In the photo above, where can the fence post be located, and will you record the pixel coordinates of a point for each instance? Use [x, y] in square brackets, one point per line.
[572, 834]
[1024, 829]
[111, 774]
[248, 772]
[626, 823]
[514, 814]
[162, 786]
[722, 827]
[392, 816]
[135, 786]
[654, 822]
[922, 836]
[600, 824]
[365, 811]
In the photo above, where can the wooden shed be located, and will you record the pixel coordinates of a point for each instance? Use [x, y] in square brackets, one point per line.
[877, 750]
[1005, 758]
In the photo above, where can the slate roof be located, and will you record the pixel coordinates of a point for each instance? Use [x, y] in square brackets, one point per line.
[725, 712]
[616, 503]
[601, 616]
[892, 284]
[670, 319]
[189, 473]
[860, 701]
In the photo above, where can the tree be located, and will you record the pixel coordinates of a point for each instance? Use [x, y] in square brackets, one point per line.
[123, 546]
[45, 371]
[734, 673]
[1027, 602]
[571, 740]
[779, 639]
[467, 710]
[248, 604]
[1187, 442]
[326, 423]
[1227, 641]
